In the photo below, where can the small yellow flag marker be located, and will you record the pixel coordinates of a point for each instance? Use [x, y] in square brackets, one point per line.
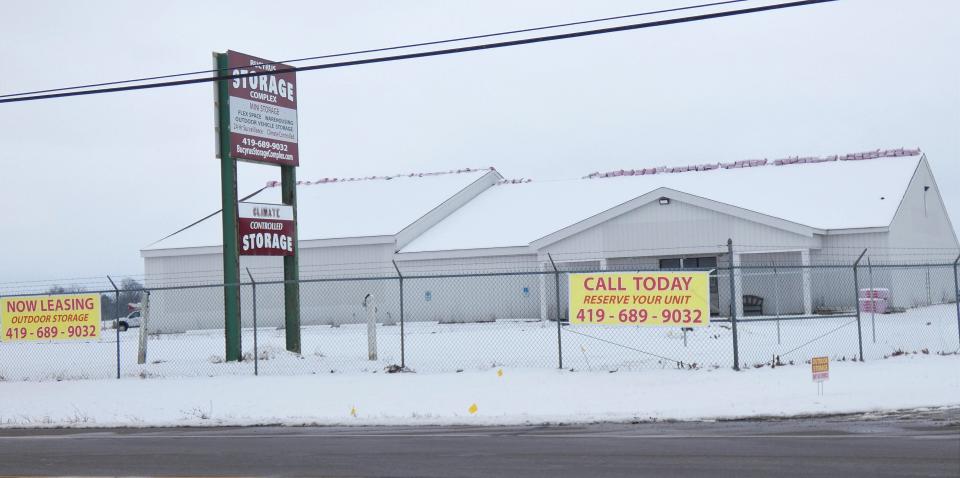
[500, 373]
[473, 408]
[353, 411]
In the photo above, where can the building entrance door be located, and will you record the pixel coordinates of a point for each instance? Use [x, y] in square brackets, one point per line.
[697, 263]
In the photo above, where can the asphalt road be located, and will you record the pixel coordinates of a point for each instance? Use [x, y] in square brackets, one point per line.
[904, 444]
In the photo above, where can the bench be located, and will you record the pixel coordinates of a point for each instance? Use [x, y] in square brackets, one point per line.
[752, 305]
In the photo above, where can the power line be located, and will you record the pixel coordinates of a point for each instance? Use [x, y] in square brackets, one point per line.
[383, 49]
[178, 231]
[410, 56]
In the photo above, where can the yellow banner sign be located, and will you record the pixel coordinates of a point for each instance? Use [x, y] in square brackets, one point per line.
[51, 317]
[679, 299]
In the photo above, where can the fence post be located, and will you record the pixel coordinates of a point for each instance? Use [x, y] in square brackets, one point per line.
[144, 328]
[403, 362]
[873, 302]
[256, 355]
[556, 282]
[371, 309]
[733, 308]
[956, 295]
[116, 321]
[856, 302]
[776, 295]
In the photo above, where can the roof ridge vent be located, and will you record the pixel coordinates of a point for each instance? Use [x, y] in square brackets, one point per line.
[877, 153]
[273, 184]
[753, 163]
[514, 181]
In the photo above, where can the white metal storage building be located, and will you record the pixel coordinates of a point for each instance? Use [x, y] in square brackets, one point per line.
[796, 211]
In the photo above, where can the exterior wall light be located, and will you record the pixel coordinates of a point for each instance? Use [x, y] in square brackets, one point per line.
[664, 201]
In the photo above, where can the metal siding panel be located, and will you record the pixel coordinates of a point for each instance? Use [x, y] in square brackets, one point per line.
[188, 309]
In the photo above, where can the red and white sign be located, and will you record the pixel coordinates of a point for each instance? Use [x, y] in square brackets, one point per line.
[263, 111]
[265, 229]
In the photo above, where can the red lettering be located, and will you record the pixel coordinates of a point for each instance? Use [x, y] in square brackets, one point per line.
[21, 306]
[661, 283]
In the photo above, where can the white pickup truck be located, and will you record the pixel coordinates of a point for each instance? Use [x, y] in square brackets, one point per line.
[131, 320]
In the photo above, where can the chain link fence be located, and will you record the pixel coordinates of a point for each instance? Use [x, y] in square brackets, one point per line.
[783, 314]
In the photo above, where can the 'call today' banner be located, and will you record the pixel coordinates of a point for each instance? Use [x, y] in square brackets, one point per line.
[51, 317]
[680, 299]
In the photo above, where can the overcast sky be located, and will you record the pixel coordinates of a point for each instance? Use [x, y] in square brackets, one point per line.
[86, 182]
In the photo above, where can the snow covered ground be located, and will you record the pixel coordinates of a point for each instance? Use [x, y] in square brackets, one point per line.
[515, 396]
[433, 348]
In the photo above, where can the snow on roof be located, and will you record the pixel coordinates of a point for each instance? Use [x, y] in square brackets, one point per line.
[362, 208]
[822, 195]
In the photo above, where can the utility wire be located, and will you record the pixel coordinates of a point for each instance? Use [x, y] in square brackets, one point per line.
[383, 49]
[486, 46]
[178, 231]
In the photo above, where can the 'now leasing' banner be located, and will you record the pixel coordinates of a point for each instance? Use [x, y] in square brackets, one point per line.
[680, 299]
[50, 317]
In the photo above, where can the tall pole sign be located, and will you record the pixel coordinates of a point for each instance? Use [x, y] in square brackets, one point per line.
[257, 122]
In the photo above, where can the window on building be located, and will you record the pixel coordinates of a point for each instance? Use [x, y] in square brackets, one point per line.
[688, 263]
[699, 262]
[673, 263]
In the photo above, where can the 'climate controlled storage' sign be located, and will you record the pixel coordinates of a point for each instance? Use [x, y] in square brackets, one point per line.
[641, 298]
[51, 317]
[265, 229]
[263, 111]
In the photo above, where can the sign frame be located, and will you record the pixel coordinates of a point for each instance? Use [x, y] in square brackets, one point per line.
[53, 317]
[264, 127]
[820, 369]
[257, 221]
[643, 298]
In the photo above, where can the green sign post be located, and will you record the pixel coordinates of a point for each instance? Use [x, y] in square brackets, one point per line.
[291, 265]
[228, 198]
[256, 122]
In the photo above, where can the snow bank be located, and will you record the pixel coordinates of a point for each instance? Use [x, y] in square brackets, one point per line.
[518, 396]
